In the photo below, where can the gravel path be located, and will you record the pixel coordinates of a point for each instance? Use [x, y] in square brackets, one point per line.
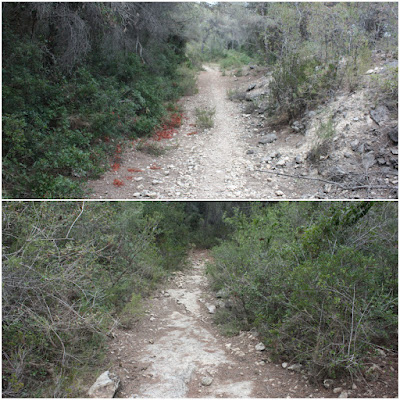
[224, 162]
[205, 165]
[221, 166]
[175, 350]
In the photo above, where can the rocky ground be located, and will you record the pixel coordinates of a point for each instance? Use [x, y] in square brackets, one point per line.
[242, 157]
[177, 351]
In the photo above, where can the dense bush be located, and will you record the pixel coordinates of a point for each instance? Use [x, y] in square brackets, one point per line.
[234, 59]
[298, 84]
[319, 281]
[71, 272]
[62, 122]
[314, 49]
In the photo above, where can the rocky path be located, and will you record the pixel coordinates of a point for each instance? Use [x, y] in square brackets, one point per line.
[241, 157]
[220, 163]
[176, 351]
[206, 165]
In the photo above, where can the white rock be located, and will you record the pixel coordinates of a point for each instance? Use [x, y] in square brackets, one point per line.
[211, 308]
[105, 386]
[260, 347]
[279, 193]
[328, 383]
[285, 365]
[343, 395]
[337, 390]
[381, 352]
[206, 380]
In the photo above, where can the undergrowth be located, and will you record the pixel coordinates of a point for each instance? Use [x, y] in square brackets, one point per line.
[205, 118]
[318, 281]
[59, 130]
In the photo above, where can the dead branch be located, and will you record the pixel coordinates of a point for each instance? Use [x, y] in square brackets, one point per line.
[326, 181]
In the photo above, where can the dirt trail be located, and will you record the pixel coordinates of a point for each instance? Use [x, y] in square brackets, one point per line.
[225, 161]
[205, 165]
[176, 350]
[221, 168]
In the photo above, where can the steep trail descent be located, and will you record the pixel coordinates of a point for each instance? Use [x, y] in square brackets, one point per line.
[176, 350]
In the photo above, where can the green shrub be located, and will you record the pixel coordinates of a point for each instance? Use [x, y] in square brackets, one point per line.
[70, 273]
[294, 272]
[321, 148]
[234, 59]
[387, 84]
[299, 83]
[204, 118]
[59, 130]
[186, 81]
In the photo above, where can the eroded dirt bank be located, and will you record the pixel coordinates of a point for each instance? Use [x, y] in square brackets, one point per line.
[176, 351]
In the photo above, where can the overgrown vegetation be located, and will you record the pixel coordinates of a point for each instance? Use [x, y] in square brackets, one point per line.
[311, 49]
[323, 141]
[78, 81]
[318, 280]
[72, 272]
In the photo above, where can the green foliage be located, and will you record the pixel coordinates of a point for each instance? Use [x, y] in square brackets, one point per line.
[298, 84]
[132, 311]
[186, 81]
[204, 118]
[235, 94]
[234, 59]
[387, 84]
[70, 273]
[321, 148]
[308, 276]
[60, 129]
